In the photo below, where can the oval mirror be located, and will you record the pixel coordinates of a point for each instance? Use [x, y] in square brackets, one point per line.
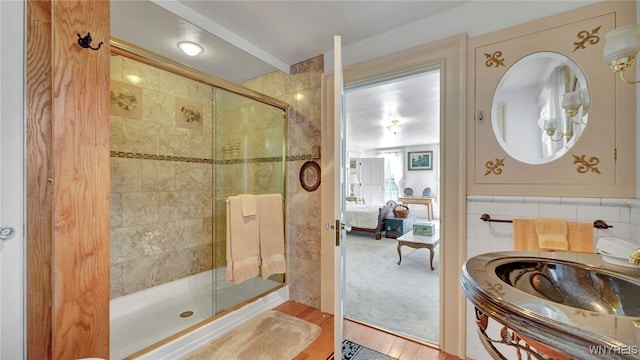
[540, 107]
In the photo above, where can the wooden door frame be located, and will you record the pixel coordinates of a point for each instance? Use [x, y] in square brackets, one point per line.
[448, 55]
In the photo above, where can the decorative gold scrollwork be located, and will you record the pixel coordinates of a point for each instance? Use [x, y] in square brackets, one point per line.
[508, 338]
[585, 37]
[494, 59]
[584, 313]
[586, 165]
[495, 288]
[494, 167]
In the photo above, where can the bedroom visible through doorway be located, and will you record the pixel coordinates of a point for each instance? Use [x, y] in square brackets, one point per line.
[393, 163]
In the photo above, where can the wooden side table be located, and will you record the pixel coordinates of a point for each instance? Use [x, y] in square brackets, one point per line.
[418, 242]
[426, 201]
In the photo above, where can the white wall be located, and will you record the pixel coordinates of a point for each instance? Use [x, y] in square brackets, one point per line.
[12, 179]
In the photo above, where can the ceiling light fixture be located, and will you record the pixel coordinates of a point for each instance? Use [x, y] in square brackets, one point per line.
[394, 127]
[190, 48]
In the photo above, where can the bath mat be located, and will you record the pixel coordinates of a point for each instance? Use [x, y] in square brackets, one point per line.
[272, 335]
[353, 351]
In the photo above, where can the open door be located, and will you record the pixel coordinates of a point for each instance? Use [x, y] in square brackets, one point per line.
[333, 173]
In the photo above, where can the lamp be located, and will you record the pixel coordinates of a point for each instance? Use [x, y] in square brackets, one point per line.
[394, 127]
[550, 127]
[571, 102]
[353, 181]
[190, 48]
[620, 49]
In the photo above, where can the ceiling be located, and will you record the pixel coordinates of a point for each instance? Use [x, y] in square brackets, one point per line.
[246, 39]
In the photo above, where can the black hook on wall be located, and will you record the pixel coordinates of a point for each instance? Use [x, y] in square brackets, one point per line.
[85, 42]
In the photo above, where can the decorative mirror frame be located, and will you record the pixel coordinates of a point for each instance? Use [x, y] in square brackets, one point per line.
[525, 135]
[602, 163]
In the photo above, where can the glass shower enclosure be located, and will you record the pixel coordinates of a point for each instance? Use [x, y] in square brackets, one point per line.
[182, 142]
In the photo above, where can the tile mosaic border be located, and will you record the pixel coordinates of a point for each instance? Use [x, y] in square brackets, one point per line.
[129, 155]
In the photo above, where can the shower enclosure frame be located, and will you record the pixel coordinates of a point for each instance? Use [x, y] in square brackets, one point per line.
[130, 51]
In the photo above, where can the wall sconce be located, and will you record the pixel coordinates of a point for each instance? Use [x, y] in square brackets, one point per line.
[190, 48]
[353, 181]
[550, 127]
[394, 127]
[620, 49]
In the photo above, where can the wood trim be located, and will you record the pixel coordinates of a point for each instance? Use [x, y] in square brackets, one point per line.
[38, 169]
[81, 180]
[67, 180]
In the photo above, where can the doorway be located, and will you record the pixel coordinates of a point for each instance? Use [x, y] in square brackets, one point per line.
[449, 56]
[387, 122]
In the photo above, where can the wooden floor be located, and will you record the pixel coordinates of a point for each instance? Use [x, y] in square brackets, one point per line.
[322, 347]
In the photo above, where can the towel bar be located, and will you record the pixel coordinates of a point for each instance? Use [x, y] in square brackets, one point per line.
[598, 224]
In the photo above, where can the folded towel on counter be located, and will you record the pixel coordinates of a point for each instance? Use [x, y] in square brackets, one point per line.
[249, 206]
[552, 234]
[271, 235]
[243, 243]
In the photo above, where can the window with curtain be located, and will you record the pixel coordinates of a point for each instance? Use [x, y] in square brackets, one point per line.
[393, 174]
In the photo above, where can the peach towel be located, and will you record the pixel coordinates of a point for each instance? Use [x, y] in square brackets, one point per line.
[579, 236]
[524, 235]
[243, 243]
[271, 235]
[248, 204]
[552, 234]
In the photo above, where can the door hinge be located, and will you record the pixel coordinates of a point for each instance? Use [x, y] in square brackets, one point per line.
[615, 154]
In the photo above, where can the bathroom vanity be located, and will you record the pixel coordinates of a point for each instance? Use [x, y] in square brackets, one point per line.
[559, 305]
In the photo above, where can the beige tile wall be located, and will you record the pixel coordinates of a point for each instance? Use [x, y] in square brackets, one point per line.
[301, 90]
[161, 183]
[154, 220]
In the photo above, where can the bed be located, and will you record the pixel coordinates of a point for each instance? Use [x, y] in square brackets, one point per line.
[369, 218]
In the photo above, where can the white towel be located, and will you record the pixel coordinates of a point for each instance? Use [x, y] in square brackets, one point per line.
[243, 243]
[271, 235]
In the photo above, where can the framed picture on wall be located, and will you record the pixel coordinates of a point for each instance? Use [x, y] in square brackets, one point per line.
[421, 160]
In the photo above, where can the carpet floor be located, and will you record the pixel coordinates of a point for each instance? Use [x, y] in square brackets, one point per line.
[403, 299]
[272, 335]
[353, 351]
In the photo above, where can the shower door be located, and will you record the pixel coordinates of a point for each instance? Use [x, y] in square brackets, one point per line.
[249, 141]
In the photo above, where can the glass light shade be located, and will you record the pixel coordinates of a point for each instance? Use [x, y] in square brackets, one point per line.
[622, 42]
[550, 125]
[190, 48]
[571, 100]
[586, 98]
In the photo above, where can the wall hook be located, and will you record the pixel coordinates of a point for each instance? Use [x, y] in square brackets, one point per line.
[85, 42]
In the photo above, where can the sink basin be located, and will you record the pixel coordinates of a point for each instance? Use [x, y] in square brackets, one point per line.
[564, 304]
[573, 285]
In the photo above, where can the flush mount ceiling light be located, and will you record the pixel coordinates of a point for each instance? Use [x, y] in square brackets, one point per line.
[190, 48]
